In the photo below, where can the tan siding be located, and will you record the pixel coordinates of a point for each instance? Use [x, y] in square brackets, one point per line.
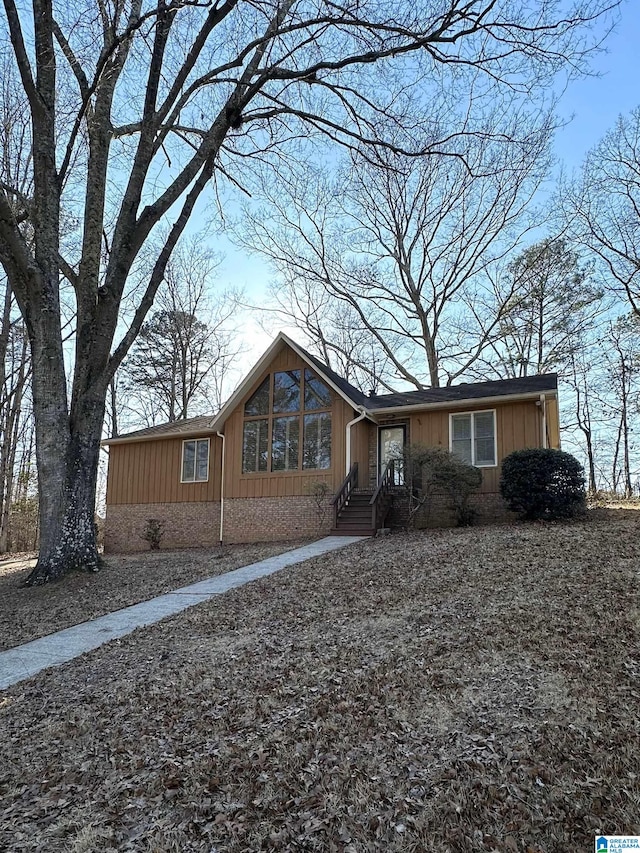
[282, 483]
[518, 426]
[360, 449]
[147, 472]
[553, 424]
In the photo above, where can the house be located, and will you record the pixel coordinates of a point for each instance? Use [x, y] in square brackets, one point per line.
[292, 431]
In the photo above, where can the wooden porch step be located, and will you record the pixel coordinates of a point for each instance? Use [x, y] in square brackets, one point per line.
[346, 530]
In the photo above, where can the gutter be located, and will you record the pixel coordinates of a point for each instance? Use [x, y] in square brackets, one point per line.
[543, 406]
[221, 435]
[376, 414]
[363, 414]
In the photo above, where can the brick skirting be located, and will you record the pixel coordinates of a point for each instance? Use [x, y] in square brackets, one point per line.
[197, 525]
[186, 525]
[489, 507]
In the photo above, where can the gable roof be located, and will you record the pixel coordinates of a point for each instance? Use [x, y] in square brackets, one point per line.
[543, 383]
[456, 395]
[339, 385]
[465, 392]
[184, 428]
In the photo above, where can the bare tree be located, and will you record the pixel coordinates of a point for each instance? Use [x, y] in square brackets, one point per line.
[136, 110]
[553, 303]
[15, 372]
[622, 371]
[401, 242]
[604, 208]
[585, 411]
[182, 356]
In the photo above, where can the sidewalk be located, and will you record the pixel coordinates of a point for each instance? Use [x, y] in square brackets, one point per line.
[24, 661]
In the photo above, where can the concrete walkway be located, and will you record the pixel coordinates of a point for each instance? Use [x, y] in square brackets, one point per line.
[24, 661]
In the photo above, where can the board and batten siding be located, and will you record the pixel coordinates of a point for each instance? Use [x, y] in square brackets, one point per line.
[284, 483]
[146, 472]
[518, 426]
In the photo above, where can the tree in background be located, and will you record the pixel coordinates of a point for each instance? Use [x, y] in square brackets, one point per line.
[603, 210]
[553, 303]
[582, 379]
[134, 108]
[621, 368]
[181, 358]
[401, 241]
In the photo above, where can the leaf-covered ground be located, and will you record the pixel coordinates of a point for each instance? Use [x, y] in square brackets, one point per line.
[26, 614]
[463, 690]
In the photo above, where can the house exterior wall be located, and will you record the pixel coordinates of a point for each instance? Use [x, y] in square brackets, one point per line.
[149, 472]
[518, 426]
[186, 525]
[281, 484]
[144, 476]
[197, 524]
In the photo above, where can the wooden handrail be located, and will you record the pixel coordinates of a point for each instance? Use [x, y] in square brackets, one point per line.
[349, 483]
[382, 496]
[384, 485]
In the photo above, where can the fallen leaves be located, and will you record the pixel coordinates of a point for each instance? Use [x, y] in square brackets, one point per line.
[464, 690]
[26, 614]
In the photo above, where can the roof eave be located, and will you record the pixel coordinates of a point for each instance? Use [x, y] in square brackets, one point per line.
[468, 401]
[259, 366]
[205, 431]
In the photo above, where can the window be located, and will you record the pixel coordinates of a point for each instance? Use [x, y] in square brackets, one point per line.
[254, 445]
[278, 434]
[473, 438]
[195, 460]
[258, 403]
[316, 393]
[284, 444]
[286, 391]
[316, 452]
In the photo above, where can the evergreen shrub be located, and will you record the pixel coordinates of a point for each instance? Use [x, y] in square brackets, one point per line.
[543, 484]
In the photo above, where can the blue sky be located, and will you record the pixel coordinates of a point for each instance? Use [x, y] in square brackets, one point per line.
[596, 102]
[590, 106]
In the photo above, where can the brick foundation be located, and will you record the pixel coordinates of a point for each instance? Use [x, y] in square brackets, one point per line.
[489, 507]
[197, 525]
[273, 519]
[187, 525]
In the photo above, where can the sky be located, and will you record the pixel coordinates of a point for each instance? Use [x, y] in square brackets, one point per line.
[592, 104]
[589, 107]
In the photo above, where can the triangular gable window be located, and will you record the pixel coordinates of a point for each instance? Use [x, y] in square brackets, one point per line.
[258, 403]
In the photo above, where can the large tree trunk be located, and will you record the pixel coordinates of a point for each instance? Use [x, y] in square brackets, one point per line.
[68, 541]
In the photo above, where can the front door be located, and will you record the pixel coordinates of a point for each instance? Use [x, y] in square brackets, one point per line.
[391, 446]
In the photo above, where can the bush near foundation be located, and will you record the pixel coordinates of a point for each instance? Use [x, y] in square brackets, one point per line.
[430, 471]
[543, 484]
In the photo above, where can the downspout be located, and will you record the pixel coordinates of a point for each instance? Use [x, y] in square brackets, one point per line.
[361, 417]
[221, 435]
[543, 407]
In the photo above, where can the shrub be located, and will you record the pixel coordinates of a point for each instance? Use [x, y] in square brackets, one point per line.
[543, 483]
[319, 491]
[432, 470]
[153, 533]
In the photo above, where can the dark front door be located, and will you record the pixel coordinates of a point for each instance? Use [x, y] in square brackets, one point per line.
[391, 446]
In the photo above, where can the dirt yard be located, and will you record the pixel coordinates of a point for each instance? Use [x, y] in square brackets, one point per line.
[462, 690]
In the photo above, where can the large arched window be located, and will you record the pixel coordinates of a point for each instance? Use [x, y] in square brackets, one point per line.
[287, 424]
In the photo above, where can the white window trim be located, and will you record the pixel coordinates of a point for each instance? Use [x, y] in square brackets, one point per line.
[195, 460]
[473, 442]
